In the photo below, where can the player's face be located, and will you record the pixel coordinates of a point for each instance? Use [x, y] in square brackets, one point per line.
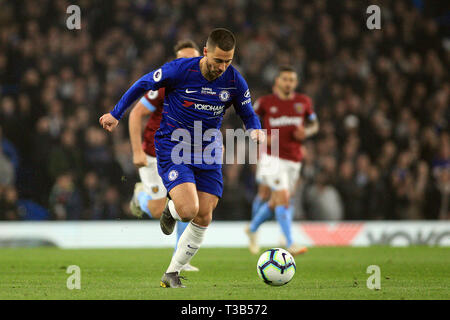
[217, 61]
[286, 82]
[187, 53]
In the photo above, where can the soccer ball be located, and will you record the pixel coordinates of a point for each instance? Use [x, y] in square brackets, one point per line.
[276, 267]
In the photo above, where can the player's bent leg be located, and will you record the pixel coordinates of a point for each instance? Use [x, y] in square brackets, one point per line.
[185, 200]
[261, 197]
[188, 245]
[210, 186]
[142, 203]
[167, 221]
[258, 216]
[264, 213]
[150, 194]
[280, 200]
[179, 180]
[182, 207]
[156, 207]
[269, 181]
[207, 204]
[253, 240]
[135, 206]
[192, 238]
[264, 192]
[283, 216]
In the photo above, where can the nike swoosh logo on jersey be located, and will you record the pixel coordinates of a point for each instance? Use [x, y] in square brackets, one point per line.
[192, 247]
[190, 91]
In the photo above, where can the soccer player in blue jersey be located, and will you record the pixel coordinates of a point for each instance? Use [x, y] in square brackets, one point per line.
[198, 91]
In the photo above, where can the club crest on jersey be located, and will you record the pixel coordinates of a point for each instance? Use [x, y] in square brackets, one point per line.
[273, 109]
[224, 95]
[157, 75]
[173, 174]
[155, 189]
[299, 107]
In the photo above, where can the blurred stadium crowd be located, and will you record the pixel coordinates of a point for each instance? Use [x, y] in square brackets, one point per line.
[382, 98]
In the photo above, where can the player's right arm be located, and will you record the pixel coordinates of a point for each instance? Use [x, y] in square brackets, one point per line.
[141, 110]
[162, 77]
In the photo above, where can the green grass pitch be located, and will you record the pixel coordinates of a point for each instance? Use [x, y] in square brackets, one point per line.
[225, 274]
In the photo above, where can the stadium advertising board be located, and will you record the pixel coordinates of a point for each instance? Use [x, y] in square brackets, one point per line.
[135, 234]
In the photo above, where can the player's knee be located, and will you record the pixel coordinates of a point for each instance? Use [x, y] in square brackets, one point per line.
[279, 198]
[264, 193]
[203, 219]
[188, 211]
[265, 196]
[283, 202]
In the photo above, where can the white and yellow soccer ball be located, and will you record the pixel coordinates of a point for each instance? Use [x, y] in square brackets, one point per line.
[276, 267]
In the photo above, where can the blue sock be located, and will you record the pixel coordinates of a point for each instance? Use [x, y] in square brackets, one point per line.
[264, 213]
[180, 229]
[284, 218]
[257, 202]
[143, 198]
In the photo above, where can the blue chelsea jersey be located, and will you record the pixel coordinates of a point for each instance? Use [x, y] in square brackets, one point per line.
[190, 97]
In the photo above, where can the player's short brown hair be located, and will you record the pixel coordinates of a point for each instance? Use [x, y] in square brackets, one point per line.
[222, 38]
[285, 68]
[183, 44]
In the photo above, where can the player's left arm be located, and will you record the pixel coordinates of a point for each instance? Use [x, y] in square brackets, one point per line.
[243, 105]
[162, 77]
[311, 125]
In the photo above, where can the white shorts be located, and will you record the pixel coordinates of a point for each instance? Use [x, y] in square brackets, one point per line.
[153, 184]
[278, 174]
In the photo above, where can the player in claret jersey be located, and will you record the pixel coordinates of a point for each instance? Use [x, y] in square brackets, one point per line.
[293, 115]
[150, 195]
[198, 92]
